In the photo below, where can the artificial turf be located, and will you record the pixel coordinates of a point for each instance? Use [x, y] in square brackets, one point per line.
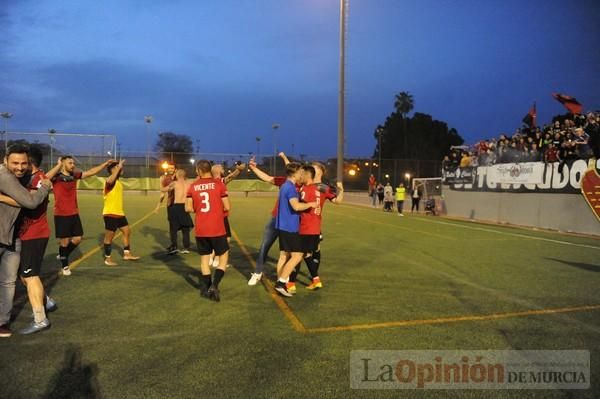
[141, 329]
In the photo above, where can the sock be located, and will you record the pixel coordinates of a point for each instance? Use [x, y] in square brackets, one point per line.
[39, 314]
[282, 280]
[312, 267]
[107, 250]
[218, 276]
[294, 274]
[71, 247]
[126, 248]
[64, 256]
[207, 280]
[317, 261]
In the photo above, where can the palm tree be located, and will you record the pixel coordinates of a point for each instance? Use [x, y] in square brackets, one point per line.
[404, 103]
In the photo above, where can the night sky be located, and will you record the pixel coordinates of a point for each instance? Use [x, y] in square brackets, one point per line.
[223, 71]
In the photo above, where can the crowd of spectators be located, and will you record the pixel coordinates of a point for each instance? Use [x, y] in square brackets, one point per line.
[573, 138]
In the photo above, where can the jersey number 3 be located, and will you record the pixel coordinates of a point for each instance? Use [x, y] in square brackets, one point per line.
[204, 199]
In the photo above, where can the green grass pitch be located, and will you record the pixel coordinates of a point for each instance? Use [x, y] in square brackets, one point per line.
[141, 329]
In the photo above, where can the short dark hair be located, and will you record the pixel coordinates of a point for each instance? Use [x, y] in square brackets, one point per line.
[111, 166]
[17, 149]
[65, 157]
[291, 168]
[310, 169]
[203, 165]
[36, 155]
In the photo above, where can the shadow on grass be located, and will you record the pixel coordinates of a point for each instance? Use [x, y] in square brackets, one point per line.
[75, 379]
[583, 266]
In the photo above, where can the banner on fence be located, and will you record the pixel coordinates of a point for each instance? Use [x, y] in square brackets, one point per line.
[522, 178]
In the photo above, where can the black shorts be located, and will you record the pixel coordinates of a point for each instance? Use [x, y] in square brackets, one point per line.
[112, 223]
[227, 228]
[178, 217]
[206, 245]
[289, 242]
[310, 243]
[68, 226]
[32, 256]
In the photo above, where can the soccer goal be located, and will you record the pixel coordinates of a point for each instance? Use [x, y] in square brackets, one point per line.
[431, 186]
[84, 148]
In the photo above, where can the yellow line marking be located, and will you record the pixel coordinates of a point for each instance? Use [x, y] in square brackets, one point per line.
[98, 248]
[285, 309]
[444, 320]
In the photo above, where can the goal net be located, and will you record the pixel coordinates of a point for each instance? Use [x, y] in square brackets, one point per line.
[431, 187]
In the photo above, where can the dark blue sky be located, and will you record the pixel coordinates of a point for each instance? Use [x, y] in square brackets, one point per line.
[222, 71]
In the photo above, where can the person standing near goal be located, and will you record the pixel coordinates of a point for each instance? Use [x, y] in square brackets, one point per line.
[114, 214]
[67, 223]
[207, 197]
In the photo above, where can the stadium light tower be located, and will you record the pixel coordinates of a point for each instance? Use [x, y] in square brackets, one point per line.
[379, 132]
[258, 148]
[275, 126]
[342, 85]
[148, 119]
[52, 135]
[6, 116]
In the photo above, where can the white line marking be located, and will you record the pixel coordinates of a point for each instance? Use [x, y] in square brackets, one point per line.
[508, 234]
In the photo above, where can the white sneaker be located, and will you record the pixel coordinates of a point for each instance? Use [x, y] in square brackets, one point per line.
[66, 271]
[254, 278]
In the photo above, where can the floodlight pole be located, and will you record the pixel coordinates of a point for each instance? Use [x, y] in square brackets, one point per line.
[342, 84]
[258, 149]
[275, 126]
[51, 133]
[148, 119]
[6, 116]
[379, 134]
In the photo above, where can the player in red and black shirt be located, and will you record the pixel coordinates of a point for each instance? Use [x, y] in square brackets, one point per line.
[219, 173]
[310, 221]
[207, 197]
[34, 234]
[67, 224]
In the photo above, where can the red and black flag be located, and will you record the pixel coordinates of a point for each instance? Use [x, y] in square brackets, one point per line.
[531, 117]
[569, 103]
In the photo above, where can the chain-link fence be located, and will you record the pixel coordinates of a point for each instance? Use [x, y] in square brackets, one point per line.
[150, 165]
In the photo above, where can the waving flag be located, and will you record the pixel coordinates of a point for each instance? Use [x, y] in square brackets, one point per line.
[569, 103]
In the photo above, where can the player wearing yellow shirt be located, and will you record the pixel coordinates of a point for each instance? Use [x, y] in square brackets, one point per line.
[114, 215]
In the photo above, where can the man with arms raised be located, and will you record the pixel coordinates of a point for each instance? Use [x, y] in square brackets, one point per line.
[219, 173]
[67, 224]
[114, 214]
[179, 219]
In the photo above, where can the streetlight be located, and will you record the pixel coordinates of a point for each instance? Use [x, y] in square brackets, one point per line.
[52, 133]
[342, 89]
[148, 119]
[275, 126]
[6, 116]
[258, 148]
